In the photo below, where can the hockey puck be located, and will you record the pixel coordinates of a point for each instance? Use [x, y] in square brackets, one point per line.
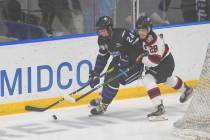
[54, 117]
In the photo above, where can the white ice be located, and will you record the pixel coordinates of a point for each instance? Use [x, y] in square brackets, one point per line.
[124, 120]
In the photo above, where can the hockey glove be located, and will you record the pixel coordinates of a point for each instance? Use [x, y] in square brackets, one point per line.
[94, 79]
[140, 57]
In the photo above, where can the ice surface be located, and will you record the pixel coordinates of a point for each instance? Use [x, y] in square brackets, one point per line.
[124, 120]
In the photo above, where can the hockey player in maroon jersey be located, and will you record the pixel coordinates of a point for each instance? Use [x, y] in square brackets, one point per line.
[159, 64]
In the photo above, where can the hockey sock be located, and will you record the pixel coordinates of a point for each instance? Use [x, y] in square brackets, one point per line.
[152, 89]
[155, 96]
[176, 83]
[108, 93]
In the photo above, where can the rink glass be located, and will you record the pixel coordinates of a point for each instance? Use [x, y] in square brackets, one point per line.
[31, 21]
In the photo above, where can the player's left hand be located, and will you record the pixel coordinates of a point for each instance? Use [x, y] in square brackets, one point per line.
[94, 79]
[140, 57]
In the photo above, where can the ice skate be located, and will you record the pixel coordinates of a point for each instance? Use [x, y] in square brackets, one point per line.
[158, 115]
[186, 94]
[99, 109]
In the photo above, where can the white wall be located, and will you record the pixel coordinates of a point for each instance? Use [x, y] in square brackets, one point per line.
[188, 45]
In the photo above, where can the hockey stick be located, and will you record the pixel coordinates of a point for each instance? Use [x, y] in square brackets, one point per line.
[133, 77]
[40, 109]
[105, 83]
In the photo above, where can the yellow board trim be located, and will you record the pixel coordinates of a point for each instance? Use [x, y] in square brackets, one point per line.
[124, 93]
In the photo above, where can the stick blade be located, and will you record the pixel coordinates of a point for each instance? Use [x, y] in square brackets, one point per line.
[69, 99]
[37, 109]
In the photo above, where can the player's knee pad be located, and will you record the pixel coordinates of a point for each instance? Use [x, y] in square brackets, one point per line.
[108, 93]
[149, 81]
[171, 81]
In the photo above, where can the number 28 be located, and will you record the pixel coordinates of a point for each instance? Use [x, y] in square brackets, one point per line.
[153, 49]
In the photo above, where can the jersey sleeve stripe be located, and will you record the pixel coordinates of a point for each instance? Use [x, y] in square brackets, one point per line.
[166, 51]
[156, 55]
[123, 33]
[154, 59]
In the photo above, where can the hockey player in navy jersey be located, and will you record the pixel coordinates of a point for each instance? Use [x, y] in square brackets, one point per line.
[120, 44]
[159, 64]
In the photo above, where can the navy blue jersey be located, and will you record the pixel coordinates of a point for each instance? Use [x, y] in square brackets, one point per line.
[121, 44]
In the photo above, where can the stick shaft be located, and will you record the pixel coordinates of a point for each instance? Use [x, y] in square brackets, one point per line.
[39, 109]
[104, 84]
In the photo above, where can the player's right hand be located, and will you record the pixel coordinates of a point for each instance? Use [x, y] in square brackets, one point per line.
[94, 79]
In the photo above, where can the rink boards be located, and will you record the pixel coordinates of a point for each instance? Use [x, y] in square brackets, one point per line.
[37, 72]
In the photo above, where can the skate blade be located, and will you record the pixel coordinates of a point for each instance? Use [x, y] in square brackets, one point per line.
[96, 115]
[158, 118]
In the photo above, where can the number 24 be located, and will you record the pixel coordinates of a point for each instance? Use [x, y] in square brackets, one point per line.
[130, 38]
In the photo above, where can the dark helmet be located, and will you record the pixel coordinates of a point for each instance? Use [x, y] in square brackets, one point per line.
[144, 22]
[104, 22]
